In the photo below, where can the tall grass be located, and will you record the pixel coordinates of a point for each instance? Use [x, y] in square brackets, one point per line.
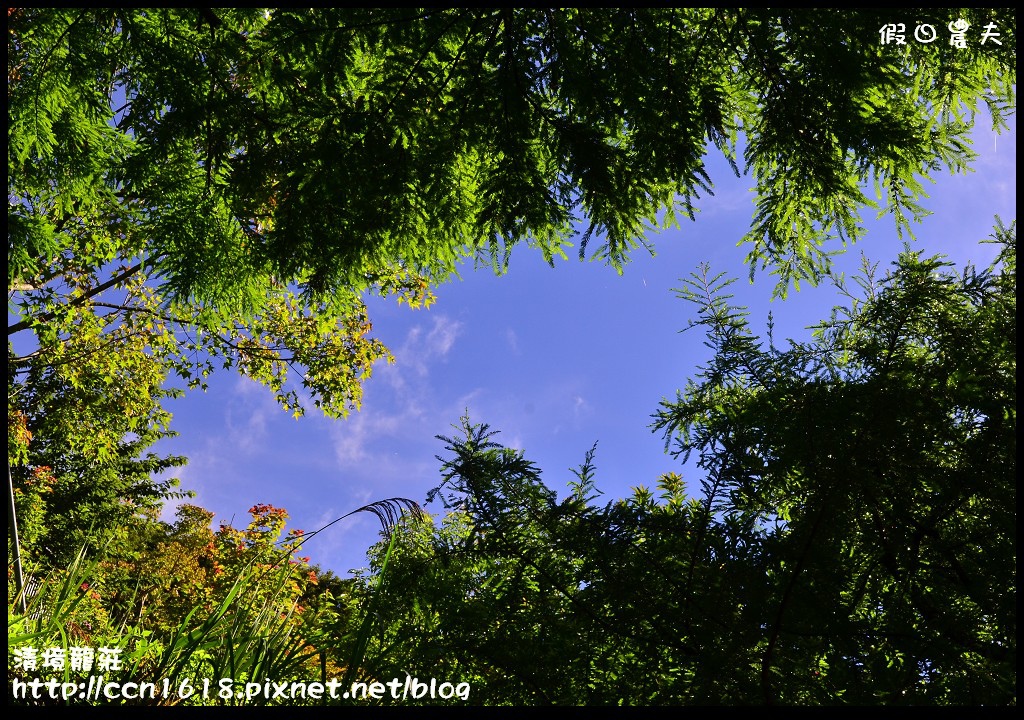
[251, 635]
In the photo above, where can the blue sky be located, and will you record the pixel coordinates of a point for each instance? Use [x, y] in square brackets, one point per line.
[553, 358]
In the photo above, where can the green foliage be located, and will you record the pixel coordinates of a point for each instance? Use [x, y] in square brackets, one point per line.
[178, 173]
[853, 541]
[346, 149]
[79, 439]
[194, 188]
[58, 607]
[185, 605]
[884, 453]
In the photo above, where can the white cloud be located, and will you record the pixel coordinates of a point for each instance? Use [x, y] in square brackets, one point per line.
[419, 348]
[580, 406]
[246, 415]
[351, 436]
[349, 443]
[442, 336]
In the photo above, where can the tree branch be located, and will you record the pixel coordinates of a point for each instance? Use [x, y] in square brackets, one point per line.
[26, 324]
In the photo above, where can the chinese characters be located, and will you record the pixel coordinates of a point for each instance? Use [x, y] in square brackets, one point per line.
[925, 33]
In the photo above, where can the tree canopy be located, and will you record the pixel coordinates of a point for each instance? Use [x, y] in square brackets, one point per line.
[853, 538]
[341, 149]
[234, 180]
[193, 188]
[196, 188]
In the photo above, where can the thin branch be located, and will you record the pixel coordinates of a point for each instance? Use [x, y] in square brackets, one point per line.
[45, 317]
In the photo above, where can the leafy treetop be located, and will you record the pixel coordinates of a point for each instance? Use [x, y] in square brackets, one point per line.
[241, 150]
[228, 183]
